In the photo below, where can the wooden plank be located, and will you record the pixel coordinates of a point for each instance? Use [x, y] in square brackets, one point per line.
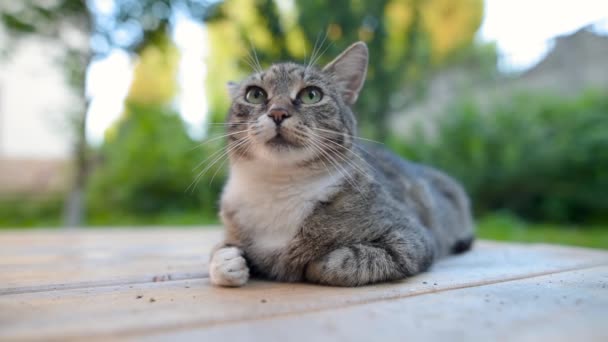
[570, 306]
[65, 259]
[146, 308]
[43, 260]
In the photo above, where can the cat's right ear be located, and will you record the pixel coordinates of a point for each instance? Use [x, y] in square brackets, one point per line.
[233, 89]
[349, 70]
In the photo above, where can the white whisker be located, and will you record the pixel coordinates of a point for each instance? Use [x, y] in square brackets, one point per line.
[324, 50]
[314, 51]
[215, 160]
[346, 134]
[346, 159]
[349, 178]
[217, 138]
[344, 147]
[325, 156]
[255, 59]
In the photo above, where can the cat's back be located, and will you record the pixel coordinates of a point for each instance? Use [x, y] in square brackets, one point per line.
[439, 202]
[393, 172]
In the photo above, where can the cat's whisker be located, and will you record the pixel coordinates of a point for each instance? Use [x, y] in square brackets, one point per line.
[304, 45]
[206, 141]
[230, 123]
[313, 52]
[255, 60]
[319, 54]
[323, 52]
[349, 178]
[319, 151]
[220, 167]
[228, 150]
[315, 56]
[217, 170]
[250, 61]
[322, 158]
[353, 152]
[346, 160]
[346, 134]
[225, 159]
[206, 159]
[247, 150]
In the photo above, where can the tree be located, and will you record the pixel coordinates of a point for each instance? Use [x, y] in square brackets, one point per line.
[406, 38]
[154, 78]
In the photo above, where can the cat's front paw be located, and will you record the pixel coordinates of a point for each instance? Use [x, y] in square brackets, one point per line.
[228, 267]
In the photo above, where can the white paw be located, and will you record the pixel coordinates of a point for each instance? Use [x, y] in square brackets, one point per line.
[228, 267]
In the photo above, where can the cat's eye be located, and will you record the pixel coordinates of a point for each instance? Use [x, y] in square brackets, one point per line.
[255, 95]
[310, 95]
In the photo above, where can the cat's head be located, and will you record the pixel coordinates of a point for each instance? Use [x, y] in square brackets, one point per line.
[291, 114]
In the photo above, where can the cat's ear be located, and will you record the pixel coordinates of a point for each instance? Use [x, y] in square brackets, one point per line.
[349, 69]
[233, 88]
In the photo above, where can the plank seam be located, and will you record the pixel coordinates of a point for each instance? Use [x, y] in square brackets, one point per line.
[96, 284]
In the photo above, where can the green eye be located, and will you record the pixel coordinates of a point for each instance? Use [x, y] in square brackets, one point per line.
[310, 95]
[255, 95]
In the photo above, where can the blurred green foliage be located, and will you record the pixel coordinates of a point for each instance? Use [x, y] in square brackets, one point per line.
[146, 169]
[506, 227]
[31, 211]
[540, 157]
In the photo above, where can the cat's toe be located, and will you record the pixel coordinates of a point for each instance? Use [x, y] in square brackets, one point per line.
[228, 268]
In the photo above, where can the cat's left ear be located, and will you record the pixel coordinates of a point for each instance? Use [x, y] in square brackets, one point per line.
[349, 69]
[233, 88]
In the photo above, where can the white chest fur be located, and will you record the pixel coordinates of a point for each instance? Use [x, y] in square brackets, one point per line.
[271, 208]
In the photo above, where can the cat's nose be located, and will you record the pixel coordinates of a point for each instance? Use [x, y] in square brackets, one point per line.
[278, 115]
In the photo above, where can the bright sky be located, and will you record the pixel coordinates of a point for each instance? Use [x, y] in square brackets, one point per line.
[522, 30]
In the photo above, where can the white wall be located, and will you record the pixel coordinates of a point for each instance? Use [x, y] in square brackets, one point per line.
[34, 103]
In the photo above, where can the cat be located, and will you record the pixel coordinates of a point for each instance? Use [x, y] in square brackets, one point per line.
[306, 202]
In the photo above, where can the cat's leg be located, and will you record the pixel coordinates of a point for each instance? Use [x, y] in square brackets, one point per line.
[377, 261]
[228, 267]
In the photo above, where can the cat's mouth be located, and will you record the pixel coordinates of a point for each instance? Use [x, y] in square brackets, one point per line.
[283, 139]
[279, 141]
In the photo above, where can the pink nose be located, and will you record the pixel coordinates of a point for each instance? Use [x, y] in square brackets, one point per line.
[278, 115]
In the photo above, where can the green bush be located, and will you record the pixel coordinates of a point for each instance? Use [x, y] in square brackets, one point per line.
[540, 157]
[31, 211]
[148, 163]
[505, 227]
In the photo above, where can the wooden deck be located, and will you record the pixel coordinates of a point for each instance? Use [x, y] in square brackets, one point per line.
[152, 284]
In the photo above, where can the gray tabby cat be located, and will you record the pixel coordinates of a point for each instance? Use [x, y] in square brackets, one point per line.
[306, 202]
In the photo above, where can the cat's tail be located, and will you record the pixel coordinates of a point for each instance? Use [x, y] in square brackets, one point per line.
[462, 245]
[457, 219]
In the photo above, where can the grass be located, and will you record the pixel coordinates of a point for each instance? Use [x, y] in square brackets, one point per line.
[177, 218]
[47, 213]
[31, 211]
[508, 228]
